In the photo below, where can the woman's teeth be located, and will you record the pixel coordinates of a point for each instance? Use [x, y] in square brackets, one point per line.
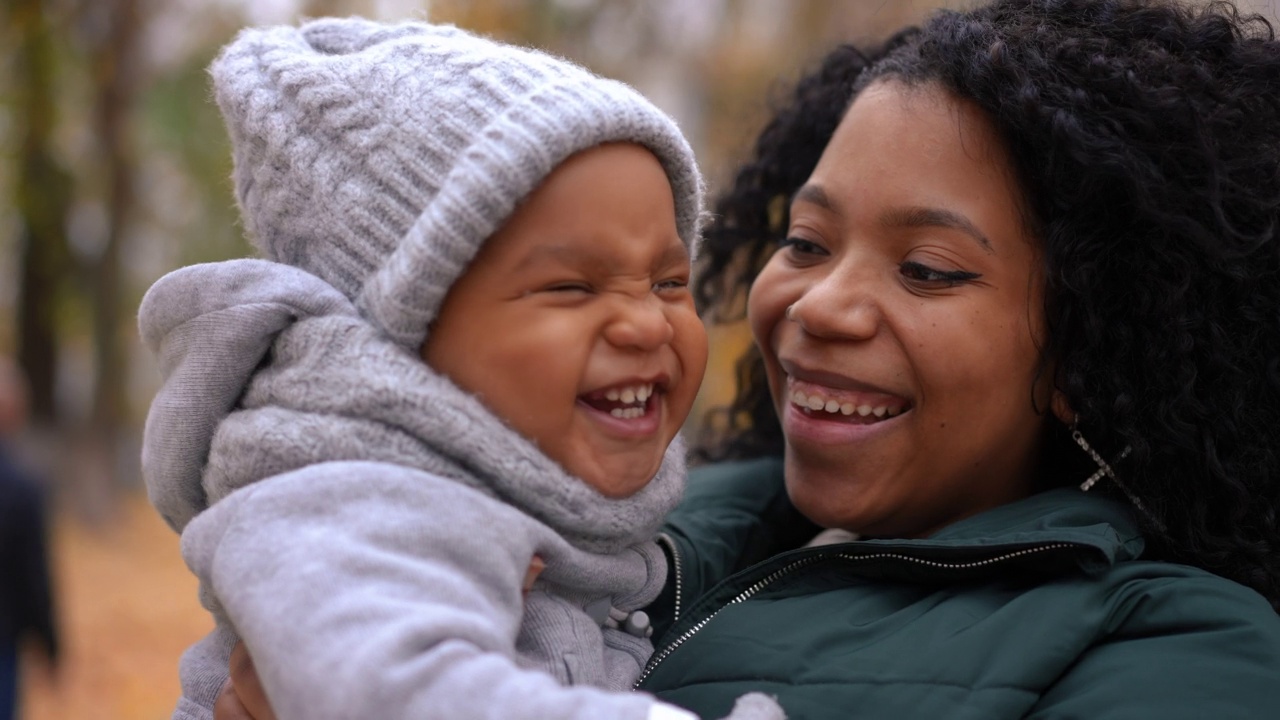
[817, 403]
[637, 393]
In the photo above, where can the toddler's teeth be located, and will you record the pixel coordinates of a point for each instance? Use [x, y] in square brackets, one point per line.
[616, 412]
[880, 411]
[831, 406]
[815, 403]
[611, 395]
[864, 410]
[847, 409]
[628, 396]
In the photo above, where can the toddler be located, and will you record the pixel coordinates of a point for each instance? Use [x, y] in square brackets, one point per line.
[470, 346]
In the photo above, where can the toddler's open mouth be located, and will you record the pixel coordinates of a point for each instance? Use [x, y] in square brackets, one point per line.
[625, 402]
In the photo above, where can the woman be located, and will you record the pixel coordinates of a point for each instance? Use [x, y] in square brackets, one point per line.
[1035, 255]
[1013, 290]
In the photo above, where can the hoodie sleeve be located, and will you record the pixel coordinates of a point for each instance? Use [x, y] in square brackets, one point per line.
[369, 590]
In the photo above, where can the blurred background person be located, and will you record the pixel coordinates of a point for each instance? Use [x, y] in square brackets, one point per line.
[26, 598]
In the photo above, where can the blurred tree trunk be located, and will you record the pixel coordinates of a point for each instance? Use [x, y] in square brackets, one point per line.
[43, 196]
[115, 68]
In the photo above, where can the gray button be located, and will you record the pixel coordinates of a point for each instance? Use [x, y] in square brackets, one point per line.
[638, 624]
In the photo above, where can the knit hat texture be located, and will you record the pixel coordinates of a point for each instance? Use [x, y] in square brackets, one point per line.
[380, 157]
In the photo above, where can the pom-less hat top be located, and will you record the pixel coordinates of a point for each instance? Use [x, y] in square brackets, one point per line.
[380, 157]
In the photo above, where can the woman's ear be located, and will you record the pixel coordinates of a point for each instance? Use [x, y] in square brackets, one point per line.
[1061, 408]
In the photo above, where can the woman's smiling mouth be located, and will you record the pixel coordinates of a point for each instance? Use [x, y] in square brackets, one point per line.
[868, 410]
[845, 405]
[853, 417]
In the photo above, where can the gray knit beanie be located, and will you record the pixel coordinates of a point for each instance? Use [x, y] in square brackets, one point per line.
[379, 157]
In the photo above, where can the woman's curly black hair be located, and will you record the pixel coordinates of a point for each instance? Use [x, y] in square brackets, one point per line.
[1146, 138]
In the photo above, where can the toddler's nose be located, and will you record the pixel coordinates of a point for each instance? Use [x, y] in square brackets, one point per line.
[640, 324]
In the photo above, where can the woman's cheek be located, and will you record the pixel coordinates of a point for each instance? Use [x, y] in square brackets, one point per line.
[767, 305]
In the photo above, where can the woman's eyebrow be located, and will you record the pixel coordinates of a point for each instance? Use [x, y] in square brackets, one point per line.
[813, 194]
[918, 217]
[911, 217]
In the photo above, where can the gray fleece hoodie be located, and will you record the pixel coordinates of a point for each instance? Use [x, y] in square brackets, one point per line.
[365, 526]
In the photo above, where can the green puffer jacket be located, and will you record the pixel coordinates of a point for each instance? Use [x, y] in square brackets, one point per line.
[1038, 609]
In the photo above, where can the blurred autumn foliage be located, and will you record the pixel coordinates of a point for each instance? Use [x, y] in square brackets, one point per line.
[115, 170]
[116, 162]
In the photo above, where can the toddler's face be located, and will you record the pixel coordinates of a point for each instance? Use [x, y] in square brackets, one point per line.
[575, 323]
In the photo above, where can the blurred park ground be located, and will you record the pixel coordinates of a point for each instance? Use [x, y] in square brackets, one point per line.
[114, 169]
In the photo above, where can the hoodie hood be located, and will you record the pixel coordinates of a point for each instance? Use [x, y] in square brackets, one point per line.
[268, 368]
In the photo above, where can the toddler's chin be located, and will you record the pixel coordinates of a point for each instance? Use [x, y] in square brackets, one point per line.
[621, 480]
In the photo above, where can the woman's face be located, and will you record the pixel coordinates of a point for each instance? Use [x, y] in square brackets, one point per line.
[905, 373]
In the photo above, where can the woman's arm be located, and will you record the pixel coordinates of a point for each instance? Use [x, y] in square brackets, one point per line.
[734, 515]
[1188, 647]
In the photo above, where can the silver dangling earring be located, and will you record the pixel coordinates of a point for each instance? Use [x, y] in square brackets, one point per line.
[1104, 470]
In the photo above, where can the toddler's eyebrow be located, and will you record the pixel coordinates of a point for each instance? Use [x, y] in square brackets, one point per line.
[590, 259]
[676, 253]
[575, 256]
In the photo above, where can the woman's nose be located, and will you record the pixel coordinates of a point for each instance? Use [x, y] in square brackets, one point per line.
[839, 307]
[639, 324]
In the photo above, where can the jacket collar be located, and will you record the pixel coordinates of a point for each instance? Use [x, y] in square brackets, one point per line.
[1106, 529]
[1059, 515]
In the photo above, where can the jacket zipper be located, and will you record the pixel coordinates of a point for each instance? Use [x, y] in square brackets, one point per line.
[670, 544]
[803, 562]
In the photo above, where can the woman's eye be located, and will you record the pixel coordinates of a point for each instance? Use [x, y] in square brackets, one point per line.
[926, 275]
[800, 246]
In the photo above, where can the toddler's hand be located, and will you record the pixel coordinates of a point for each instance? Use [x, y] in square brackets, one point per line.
[228, 705]
[536, 566]
[242, 696]
[757, 706]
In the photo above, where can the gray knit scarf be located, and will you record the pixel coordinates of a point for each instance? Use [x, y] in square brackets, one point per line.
[268, 369]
